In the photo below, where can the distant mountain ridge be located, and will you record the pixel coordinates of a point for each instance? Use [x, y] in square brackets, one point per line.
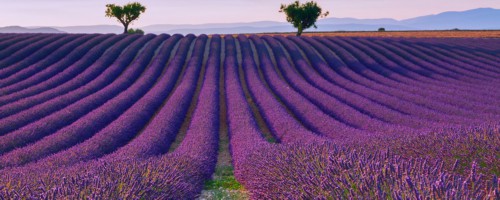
[92, 29]
[19, 29]
[481, 18]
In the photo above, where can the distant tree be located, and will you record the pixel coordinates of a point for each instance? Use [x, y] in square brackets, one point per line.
[382, 29]
[302, 16]
[135, 31]
[125, 14]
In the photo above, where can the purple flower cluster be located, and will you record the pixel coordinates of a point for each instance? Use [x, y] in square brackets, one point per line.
[48, 68]
[70, 79]
[242, 127]
[65, 114]
[314, 171]
[166, 177]
[83, 133]
[139, 117]
[30, 53]
[339, 87]
[156, 138]
[13, 39]
[56, 51]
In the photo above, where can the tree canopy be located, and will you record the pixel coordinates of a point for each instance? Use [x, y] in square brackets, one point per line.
[135, 31]
[302, 16]
[125, 14]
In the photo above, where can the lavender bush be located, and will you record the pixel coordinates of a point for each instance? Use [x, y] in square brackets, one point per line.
[144, 117]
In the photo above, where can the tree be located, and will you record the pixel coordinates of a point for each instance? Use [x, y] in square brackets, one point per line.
[302, 16]
[381, 29]
[125, 14]
[135, 31]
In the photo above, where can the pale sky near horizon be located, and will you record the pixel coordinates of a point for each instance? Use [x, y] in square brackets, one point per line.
[91, 12]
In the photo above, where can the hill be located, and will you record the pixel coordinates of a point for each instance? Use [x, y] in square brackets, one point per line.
[476, 19]
[91, 29]
[19, 29]
[105, 116]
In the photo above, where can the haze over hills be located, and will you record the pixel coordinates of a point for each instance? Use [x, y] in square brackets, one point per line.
[481, 18]
[19, 29]
[91, 29]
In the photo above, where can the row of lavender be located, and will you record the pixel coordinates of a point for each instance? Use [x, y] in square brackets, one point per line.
[356, 169]
[95, 109]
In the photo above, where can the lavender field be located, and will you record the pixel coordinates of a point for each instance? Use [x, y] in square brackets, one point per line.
[103, 116]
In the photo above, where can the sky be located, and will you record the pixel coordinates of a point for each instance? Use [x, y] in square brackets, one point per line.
[91, 12]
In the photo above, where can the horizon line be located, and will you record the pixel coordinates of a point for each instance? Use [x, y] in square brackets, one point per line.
[283, 21]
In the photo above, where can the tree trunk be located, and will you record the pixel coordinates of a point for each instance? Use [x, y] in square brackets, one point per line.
[299, 30]
[126, 28]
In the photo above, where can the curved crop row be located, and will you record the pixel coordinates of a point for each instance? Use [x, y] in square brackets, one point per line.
[56, 110]
[160, 132]
[31, 53]
[139, 117]
[86, 128]
[93, 64]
